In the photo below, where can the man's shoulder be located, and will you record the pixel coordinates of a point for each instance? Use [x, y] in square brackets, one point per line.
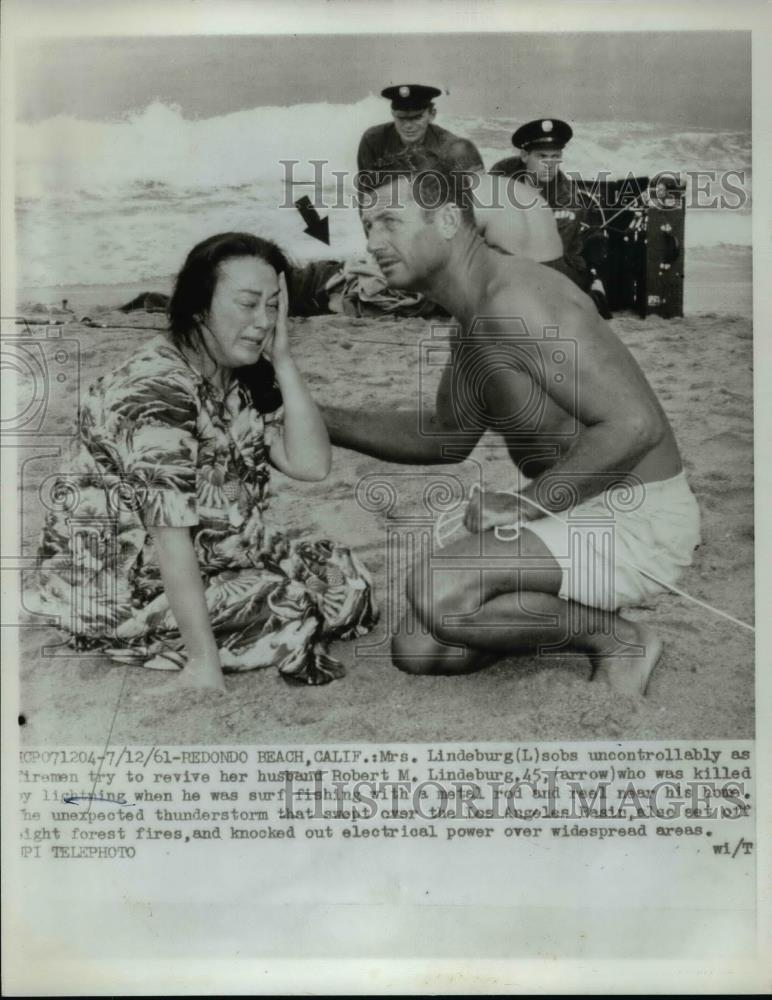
[506, 293]
[515, 282]
[530, 296]
[440, 133]
[377, 132]
[511, 166]
[577, 187]
[378, 142]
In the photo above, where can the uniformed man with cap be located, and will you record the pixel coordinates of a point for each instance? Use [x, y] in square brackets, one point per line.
[541, 143]
[413, 127]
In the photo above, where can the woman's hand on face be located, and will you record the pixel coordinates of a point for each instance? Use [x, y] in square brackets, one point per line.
[277, 348]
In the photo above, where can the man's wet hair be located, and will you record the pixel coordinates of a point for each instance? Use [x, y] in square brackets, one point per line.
[437, 179]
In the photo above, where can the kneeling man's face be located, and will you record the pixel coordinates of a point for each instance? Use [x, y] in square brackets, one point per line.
[405, 243]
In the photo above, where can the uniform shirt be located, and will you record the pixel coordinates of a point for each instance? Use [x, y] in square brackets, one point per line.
[381, 143]
[571, 207]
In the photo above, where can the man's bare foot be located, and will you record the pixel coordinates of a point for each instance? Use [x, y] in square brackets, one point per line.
[624, 668]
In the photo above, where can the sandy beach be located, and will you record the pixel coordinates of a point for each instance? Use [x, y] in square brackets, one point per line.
[703, 687]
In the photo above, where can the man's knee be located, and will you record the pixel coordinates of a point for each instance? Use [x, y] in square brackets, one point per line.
[417, 592]
[433, 596]
[414, 654]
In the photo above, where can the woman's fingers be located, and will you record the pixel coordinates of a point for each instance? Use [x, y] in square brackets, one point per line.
[280, 345]
[283, 299]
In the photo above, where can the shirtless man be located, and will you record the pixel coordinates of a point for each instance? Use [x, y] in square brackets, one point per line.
[598, 423]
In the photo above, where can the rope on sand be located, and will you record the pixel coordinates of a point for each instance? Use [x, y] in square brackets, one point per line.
[86, 321]
[515, 529]
[94, 325]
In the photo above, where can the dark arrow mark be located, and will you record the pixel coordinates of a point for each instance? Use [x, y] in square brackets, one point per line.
[73, 800]
[316, 227]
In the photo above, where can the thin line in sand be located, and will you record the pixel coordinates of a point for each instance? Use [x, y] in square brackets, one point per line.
[109, 735]
[455, 521]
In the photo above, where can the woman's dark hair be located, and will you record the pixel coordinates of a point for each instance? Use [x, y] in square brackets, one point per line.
[192, 297]
[195, 284]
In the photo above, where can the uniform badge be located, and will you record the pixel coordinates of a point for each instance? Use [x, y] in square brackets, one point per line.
[404, 91]
[546, 125]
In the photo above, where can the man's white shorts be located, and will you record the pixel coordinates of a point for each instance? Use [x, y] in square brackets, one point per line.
[607, 545]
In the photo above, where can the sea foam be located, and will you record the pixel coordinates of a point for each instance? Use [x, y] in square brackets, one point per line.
[124, 200]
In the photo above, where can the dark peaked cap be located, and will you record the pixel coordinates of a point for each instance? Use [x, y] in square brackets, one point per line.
[542, 132]
[410, 96]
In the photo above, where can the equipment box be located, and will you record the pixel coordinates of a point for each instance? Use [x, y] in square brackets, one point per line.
[641, 262]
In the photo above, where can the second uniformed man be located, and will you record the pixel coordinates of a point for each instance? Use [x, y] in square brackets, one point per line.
[541, 143]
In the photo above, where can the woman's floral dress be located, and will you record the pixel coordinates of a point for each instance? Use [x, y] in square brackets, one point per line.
[157, 447]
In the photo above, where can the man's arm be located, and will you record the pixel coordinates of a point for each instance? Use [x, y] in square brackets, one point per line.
[369, 151]
[591, 376]
[410, 437]
[572, 237]
[365, 158]
[510, 166]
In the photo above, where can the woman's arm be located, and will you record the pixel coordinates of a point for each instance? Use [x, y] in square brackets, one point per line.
[303, 448]
[184, 589]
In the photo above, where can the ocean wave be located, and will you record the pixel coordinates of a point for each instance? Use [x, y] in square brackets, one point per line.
[93, 197]
[620, 148]
[159, 146]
